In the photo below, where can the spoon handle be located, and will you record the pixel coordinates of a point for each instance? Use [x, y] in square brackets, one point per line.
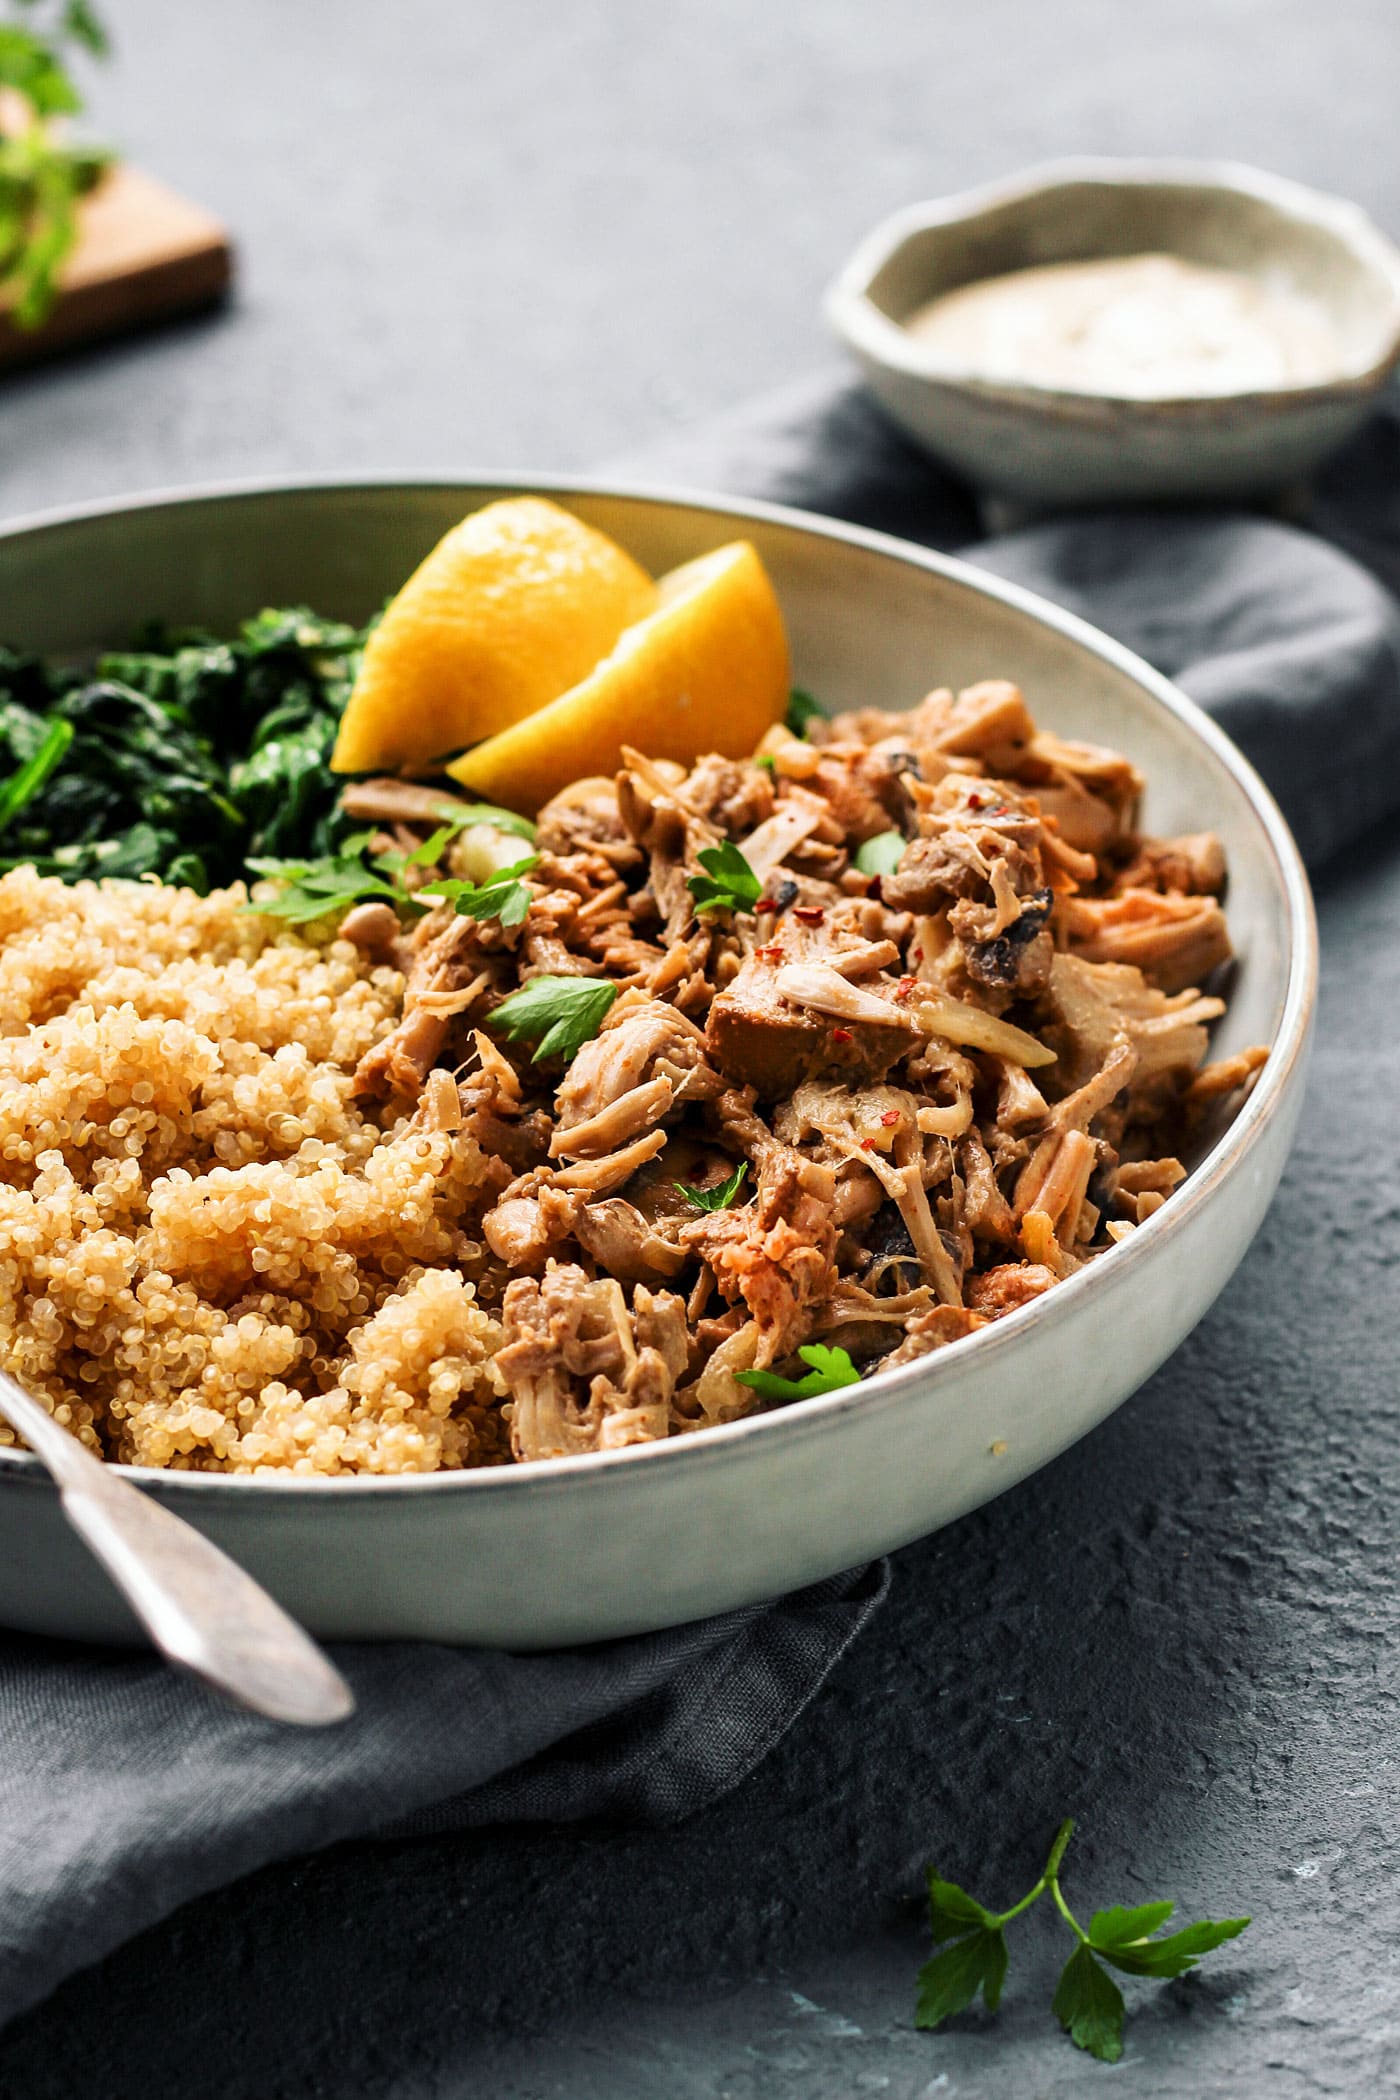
[199, 1607]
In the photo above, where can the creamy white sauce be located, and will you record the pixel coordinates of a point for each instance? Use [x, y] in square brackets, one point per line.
[1141, 325]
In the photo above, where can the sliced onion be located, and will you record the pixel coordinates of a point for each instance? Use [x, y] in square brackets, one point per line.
[957, 1022]
[825, 990]
[769, 843]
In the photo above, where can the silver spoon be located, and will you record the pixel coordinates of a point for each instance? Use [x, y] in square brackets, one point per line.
[200, 1608]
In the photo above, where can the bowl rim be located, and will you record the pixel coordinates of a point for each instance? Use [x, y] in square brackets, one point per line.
[720, 1444]
[870, 333]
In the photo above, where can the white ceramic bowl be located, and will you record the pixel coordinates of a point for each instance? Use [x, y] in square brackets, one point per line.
[533, 1556]
[1044, 446]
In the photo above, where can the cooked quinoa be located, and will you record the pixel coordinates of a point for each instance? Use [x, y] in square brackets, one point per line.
[212, 1253]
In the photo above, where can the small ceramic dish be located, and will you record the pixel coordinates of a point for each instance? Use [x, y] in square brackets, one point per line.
[1045, 445]
[615, 1542]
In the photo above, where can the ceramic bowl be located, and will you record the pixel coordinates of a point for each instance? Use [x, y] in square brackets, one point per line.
[534, 1556]
[1042, 446]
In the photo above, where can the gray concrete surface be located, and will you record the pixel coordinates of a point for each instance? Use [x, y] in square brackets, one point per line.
[475, 236]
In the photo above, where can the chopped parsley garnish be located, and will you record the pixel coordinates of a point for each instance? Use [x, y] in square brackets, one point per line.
[800, 709]
[313, 889]
[502, 896]
[557, 1014]
[831, 1369]
[721, 1196]
[728, 884]
[882, 854]
[1087, 2003]
[460, 817]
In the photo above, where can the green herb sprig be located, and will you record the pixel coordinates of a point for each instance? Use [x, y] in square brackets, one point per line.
[502, 896]
[728, 884]
[557, 1014]
[461, 816]
[1087, 2003]
[313, 889]
[721, 1196]
[43, 175]
[831, 1369]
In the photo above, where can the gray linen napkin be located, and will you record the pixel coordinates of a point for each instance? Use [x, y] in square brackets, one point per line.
[124, 1791]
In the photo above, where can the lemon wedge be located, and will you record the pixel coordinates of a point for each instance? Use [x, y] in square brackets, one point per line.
[511, 609]
[707, 670]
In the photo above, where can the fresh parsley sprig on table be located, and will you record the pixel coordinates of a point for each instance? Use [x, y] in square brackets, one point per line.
[721, 1196]
[831, 1369]
[728, 884]
[557, 1014]
[502, 896]
[1087, 2003]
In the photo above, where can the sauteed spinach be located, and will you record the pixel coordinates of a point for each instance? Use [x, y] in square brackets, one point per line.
[184, 757]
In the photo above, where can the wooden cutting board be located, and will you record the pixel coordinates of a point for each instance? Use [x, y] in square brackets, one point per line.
[143, 253]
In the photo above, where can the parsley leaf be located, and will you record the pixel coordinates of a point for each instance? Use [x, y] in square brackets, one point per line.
[314, 889]
[882, 854]
[1137, 1955]
[729, 883]
[461, 816]
[1115, 1927]
[558, 1014]
[831, 1369]
[949, 1983]
[951, 1910]
[721, 1196]
[1089, 2006]
[800, 709]
[502, 896]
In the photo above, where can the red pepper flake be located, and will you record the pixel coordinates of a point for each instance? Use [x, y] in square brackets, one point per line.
[773, 953]
[890, 1117]
[976, 801]
[809, 914]
[868, 1144]
[916, 955]
[905, 987]
[842, 1035]
[766, 904]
